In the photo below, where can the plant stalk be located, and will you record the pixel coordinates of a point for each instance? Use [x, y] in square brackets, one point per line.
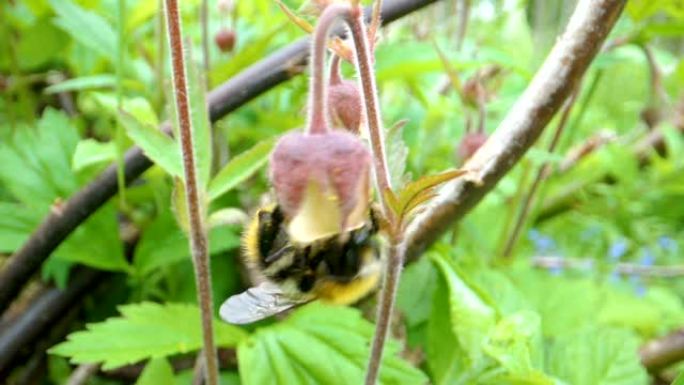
[386, 302]
[198, 232]
[364, 68]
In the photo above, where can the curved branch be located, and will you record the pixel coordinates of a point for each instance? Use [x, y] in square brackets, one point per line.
[559, 75]
[663, 352]
[245, 86]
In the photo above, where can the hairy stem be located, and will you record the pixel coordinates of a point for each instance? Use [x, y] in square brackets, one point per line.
[383, 319]
[372, 106]
[198, 233]
[335, 74]
[318, 93]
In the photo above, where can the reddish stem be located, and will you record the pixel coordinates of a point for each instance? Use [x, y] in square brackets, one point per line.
[318, 94]
[335, 74]
[198, 234]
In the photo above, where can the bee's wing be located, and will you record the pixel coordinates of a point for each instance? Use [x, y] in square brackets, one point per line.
[256, 303]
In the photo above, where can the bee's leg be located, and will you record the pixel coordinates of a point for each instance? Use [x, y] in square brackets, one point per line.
[269, 226]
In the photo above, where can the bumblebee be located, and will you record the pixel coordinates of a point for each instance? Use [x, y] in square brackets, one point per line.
[339, 269]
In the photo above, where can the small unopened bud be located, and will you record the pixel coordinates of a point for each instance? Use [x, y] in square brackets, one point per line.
[225, 39]
[321, 182]
[470, 143]
[344, 101]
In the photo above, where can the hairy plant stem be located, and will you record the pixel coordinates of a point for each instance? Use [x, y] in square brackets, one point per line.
[198, 232]
[318, 93]
[364, 68]
[353, 16]
[388, 295]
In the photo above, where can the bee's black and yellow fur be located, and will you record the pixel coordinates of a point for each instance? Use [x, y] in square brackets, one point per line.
[339, 269]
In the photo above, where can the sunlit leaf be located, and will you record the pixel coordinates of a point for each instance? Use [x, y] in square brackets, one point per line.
[157, 371]
[156, 145]
[144, 330]
[318, 344]
[240, 168]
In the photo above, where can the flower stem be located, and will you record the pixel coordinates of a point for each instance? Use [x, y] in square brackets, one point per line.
[370, 101]
[318, 95]
[198, 233]
[335, 75]
[388, 296]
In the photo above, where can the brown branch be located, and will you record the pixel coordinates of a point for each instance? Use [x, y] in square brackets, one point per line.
[663, 352]
[556, 79]
[245, 86]
[554, 262]
[43, 313]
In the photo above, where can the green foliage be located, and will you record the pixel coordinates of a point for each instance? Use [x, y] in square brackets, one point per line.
[37, 171]
[145, 330]
[157, 371]
[466, 315]
[597, 356]
[240, 168]
[318, 345]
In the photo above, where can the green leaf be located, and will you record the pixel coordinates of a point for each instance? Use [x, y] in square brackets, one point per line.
[163, 243]
[318, 344]
[87, 28]
[96, 242]
[516, 344]
[201, 127]
[90, 151]
[419, 191]
[445, 358]
[679, 380]
[157, 371]
[144, 330]
[36, 161]
[82, 83]
[597, 357]
[472, 318]
[16, 223]
[156, 145]
[40, 44]
[240, 168]
[37, 171]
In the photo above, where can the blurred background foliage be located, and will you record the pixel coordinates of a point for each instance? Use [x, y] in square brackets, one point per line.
[595, 272]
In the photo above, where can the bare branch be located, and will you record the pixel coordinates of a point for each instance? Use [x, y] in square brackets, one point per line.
[663, 352]
[559, 75]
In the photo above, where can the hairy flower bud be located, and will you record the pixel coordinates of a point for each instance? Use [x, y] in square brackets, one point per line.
[321, 182]
[344, 101]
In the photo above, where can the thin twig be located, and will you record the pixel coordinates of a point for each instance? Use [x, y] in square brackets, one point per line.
[541, 171]
[199, 247]
[553, 262]
[240, 89]
[553, 83]
[82, 374]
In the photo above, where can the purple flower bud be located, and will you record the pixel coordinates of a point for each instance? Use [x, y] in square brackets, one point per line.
[321, 182]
